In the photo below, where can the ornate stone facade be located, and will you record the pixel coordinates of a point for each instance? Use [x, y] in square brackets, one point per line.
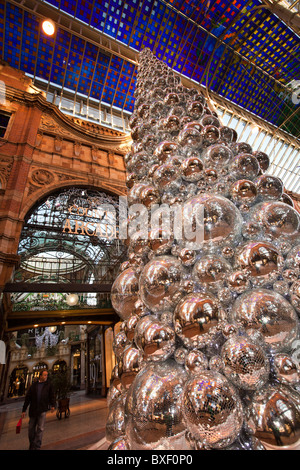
[43, 150]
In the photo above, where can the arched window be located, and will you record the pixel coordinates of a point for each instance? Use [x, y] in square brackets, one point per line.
[71, 237]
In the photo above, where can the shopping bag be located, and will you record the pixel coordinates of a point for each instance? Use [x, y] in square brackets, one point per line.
[19, 425]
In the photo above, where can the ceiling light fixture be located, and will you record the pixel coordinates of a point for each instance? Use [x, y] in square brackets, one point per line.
[48, 27]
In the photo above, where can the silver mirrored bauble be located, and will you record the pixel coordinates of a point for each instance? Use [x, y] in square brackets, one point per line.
[243, 192]
[129, 365]
[269, 187]
[245, 363]
[125, 292]
[217, 156]
[115, 423]
[157, 341]
[274, 416]
[222, 220]
[165, 177]
[263, 160]
[286, 369]
[130, 325]
[140, 328]
[153, 412]
[119, 343]
[270, 313]
[262, 260]
[191, 169]
[245, 165]
[190, 138]
[277, 219]
[211, 270]
[293, 258]
[149, 196]
[195, 317]
[195, 362]
[112, 394]
[160, 281]
[212, 409]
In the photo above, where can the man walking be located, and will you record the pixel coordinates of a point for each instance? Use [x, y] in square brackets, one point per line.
[40, 397]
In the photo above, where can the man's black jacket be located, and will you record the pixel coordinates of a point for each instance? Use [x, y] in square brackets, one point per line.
[47, 399]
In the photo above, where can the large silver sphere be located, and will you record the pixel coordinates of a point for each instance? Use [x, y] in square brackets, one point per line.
[115, 423]
[195, 316]
[159, 282]
[152, 412]
[124, 292]
[157, 341]
[274, 416]
[270, 313]
[278, 220]
[221, 220]
[211, 270]
[262, 259]
[212, 409]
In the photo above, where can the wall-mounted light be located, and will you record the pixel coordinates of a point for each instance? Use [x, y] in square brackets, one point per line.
[48, 27]
[72, 299]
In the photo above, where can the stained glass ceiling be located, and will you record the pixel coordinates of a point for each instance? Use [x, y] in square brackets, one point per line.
[237, 48]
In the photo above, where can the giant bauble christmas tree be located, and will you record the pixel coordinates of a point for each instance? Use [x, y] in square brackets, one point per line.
[209, 296]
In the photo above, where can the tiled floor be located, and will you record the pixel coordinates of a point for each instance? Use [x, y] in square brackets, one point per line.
[83, 429]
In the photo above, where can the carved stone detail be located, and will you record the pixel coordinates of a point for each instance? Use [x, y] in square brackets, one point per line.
[77, 149]
[5, 168]
[42, 177]
[58, 143]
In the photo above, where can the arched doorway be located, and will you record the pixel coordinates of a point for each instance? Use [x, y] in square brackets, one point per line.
[69, 245]
[69, 256]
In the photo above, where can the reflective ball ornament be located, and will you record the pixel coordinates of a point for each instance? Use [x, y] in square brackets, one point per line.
[274, 417]
[153, 413]
[262, 260]
[245, 165]
[243, 192]
[157, 341]
[217, 156]
[263, 160]
[277, 220]
[125, 292]
[245, 363]
[293, 258]
[270, 313]
[159, 282]
[115, 423]
[212, 409]
[195, 317]
[286, 369]
[119, 343]
[129, 365]
[269, 187]
[221, 219]
[210, 271]
[195, 362]
[191, 169]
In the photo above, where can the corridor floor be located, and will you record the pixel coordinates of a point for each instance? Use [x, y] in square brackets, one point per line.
[82, 430]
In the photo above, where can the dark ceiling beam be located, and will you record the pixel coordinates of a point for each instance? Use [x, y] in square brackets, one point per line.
[45, 287]
[41, 318]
